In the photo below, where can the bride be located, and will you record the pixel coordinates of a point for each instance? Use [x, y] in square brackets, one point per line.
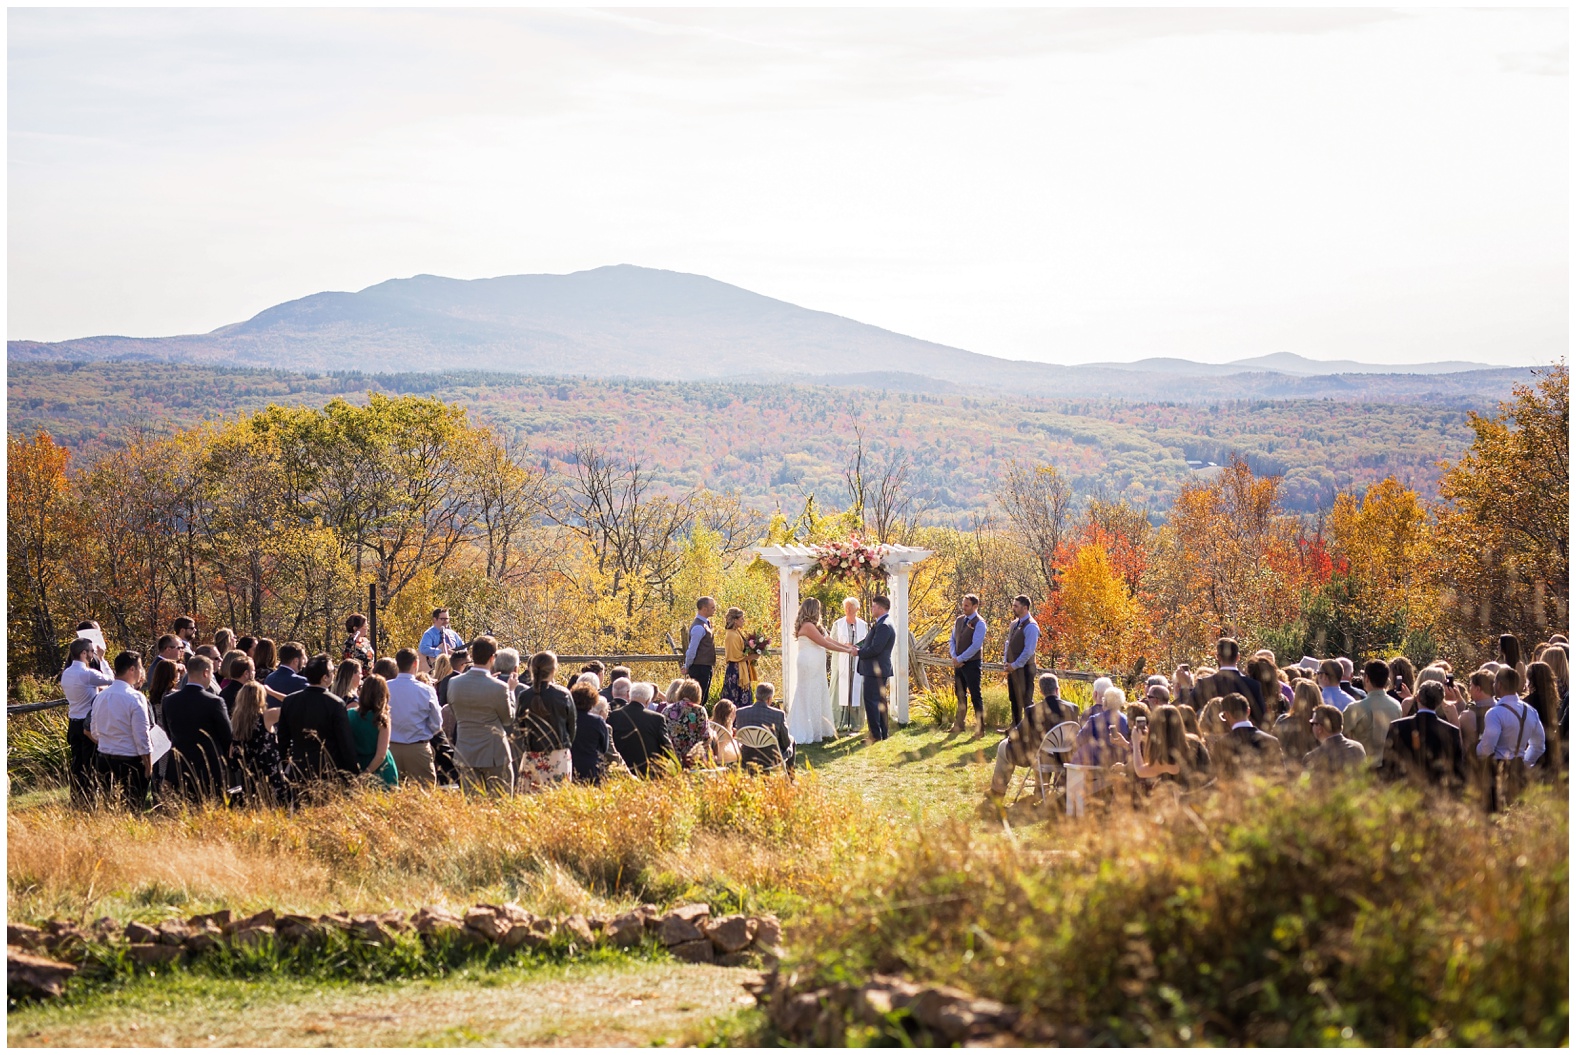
[810, 714]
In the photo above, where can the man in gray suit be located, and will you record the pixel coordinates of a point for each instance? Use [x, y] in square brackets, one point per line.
[483, 710]
[763, 714]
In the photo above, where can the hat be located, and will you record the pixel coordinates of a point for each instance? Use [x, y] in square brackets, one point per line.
[1308, 663]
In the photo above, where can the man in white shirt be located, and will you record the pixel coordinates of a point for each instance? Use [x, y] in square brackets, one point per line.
[81, 682]
[414, 719]
[1511, 730]
[123, 724]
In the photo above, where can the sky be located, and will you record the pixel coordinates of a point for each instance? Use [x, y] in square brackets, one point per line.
[1067, 185]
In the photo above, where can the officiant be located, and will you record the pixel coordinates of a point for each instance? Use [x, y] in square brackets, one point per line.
[847, 685]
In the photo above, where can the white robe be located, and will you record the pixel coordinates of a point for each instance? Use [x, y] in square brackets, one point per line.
[842, 667]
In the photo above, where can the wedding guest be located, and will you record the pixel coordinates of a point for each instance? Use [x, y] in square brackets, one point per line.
[263, 657]
[122, 725]
[764, 714]
[1424, 747]
[199, 728]
[439, 638]
[386, 668]
[1368, 720]
[1294, 729]
[287, 678]
[1245, 747]
[1097, 746]
[1329, 681]
[414, 719]
[1023, 637]
[725, 748]
[739, 676]
[162, 680]
[1346, 685]
[548, 725]
[640, 735]
[687, 723]
[483, 715]
[248, 644]
[1512, 740]
[610, 677]
[255, 748]
[592, 752]
[700, 649]
[1020, 748]
[347, 681]
[1229, 679]
[185, 628]
[357, 647]
[314, 730]
[1161, 751]
[1511, 656]
[1335, 753]
[369, 728]
[81, 681]
[965, 650]
[668, 696]
[167, 651]
[223, 640]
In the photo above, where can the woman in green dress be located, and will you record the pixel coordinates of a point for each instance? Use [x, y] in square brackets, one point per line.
[369, 727]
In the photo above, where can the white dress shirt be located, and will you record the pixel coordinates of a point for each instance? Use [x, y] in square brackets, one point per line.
[122, 722]
[1505, 735]
[81, 683]
[414, 716]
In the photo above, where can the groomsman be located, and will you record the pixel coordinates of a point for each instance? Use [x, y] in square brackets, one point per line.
[1023, 637]
[968, 639]
[700, 652]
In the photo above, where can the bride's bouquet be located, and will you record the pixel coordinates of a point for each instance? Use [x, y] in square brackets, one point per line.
[756, 644]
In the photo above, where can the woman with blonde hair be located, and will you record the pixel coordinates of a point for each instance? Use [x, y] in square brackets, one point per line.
[254, 747]
[1294, 729]
[810, 715]
[739, 680]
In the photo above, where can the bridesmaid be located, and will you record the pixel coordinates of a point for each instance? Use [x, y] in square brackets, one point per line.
[739, 682]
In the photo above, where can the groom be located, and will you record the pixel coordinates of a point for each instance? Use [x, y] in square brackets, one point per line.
[875, 664]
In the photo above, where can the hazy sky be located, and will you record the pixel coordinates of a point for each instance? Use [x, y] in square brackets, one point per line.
[1058, 185]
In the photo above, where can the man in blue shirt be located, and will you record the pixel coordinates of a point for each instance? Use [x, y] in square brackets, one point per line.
[1023, 637]
[1329, 679]
[438, 639]
[968, 638]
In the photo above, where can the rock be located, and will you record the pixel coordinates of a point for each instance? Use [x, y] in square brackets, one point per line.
[30, 975]
[735, 959]
[957, 1016]
[370, 929]
[219, 919]
[23, 936]
[201, 942]
[140, 932]
[265, 918]
[251, 936]
[598, 923]
[728, 934]
[799, 1013]
[154, 954]
[768, 934]
[535, 933]
[337, 920]
[579, 930]
[173, 932]
[625, 930]
[490, 921]
[650, 916]
[694, 951]
[683, 924]
[394, 920]
[106, 929]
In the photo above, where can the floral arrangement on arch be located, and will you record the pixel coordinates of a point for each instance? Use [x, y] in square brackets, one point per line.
[853, 558]
[756, 644]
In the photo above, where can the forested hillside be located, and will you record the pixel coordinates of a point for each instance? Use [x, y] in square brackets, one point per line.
[773, 444]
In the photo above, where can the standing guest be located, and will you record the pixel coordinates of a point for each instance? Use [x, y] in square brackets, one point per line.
[456, 662]
[1543, 693]
[1424, 747]
[1403, 680]
[763, 713]
[314, 730]
[200, 736]
[122, 726]
[738, 679]
[1510, 654]
[439, 638]
[688, 726]
[223, 639]
[639, 735]
[1245, 747]
[606, 680]
[1335, 753]
[1229, 679]
[700, 648]
[185, 628]
[81, 681]
[1512, 740]
[414, 719]
[547, 720]
[248, 644]
[1294, 729]
[1329, 681]
[387, 669]
[168, 651]
[287, 678]
[1346, 685]
[1368, 720]
[263, 656]
[592, 751]
[875, 667]
[1263, 672]
[483, 715]
[1023, 638]
[369, 728]
[164, 679]
[227, 673]
[725, 747]
[1274, 683]
[965, 651]
[254, 747]
[357, 646]
[347, 681]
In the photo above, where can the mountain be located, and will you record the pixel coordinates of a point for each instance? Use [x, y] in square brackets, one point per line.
[1288, 363]
[626, 321]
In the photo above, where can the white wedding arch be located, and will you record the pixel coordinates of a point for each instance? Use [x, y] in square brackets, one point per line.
[792, 562]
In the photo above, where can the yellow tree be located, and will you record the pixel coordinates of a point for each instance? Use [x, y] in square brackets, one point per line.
[1099, 622]
[1384, 550]
[39, 529]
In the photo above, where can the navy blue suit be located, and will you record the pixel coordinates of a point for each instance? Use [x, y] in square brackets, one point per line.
[875, 664]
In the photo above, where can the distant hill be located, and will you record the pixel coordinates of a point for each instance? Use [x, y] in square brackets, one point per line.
[1288, 363]
[627, 321]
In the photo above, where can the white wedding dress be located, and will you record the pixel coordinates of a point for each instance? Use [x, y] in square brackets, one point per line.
[810, 710]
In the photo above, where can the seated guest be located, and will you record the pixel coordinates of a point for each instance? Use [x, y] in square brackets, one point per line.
[199, 728]
[640, 735]
[81, 681]
[687, 723]
[1162, 751]
[369, 728]
[286, 678]
[483, 715]
[248, 644]
[1245, 748]
[662, 699]
[1096, 744]
[592, 752]
[414, 718]
[1424, 747]
[255, 748]
[764, 714]
[314, 730]
[612, 679]
[547, 724]
[1335, 753]
[725, 748]
[1021, 746]
[122, 726]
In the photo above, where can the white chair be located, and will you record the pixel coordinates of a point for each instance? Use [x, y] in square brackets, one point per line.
[1081, 781]
[1048, 769]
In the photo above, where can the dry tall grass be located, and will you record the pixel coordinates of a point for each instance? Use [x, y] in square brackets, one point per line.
[765, 841]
